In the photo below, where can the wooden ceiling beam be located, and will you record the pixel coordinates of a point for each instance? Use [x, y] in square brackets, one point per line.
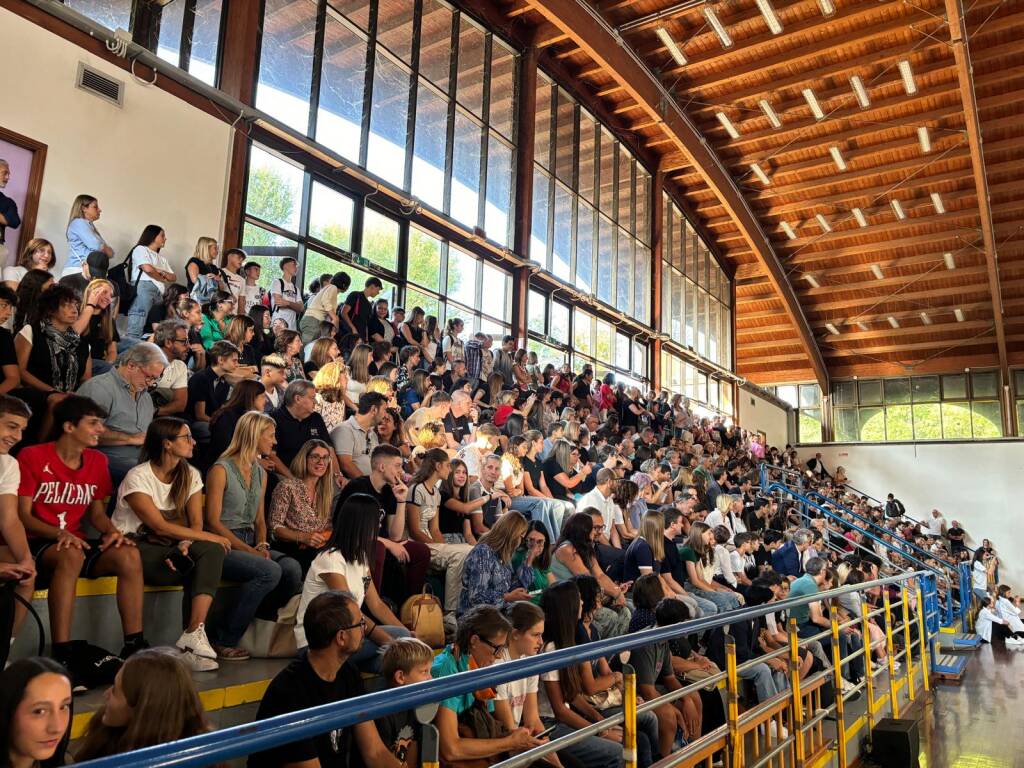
[749, 271]
[590, 31]
[894, 299]
[951, 241]
[890, 333]
[980, 338]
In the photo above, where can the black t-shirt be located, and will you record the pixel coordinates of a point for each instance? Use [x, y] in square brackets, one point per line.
[399, 731]
[94, 337]
[533, 468]
[204, 269]
[581, 390]
[298, 687]
[448, 520]
[457, 426]
[205, 387]
[376, 327]
[360, 309]
[7, 354]
[292, 434]
[385, 495]
[551, 468]
[672, 564]
[628, 418]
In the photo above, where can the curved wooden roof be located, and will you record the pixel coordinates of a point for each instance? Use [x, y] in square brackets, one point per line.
[872, 291]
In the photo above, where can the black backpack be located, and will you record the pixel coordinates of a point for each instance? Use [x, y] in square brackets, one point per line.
[124, 289]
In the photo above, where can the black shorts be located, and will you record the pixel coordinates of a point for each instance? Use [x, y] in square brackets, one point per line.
[39, 546]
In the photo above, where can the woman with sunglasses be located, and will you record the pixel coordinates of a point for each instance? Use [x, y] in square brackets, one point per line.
[344, 565]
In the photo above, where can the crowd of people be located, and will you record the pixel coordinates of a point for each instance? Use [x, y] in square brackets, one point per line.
[327, 457]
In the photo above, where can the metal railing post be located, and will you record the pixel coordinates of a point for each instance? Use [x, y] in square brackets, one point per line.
[922, 636]
[894, 704]
[869, 680]
[794, 684]
[908, 647]
[837, 664]
[430, 744]
[733, 696]
[629, 721]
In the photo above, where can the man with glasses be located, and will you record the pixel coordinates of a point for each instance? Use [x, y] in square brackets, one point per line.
[355, 438]
[298, 423]
[123, 392]
[321, 675]
[172, 338]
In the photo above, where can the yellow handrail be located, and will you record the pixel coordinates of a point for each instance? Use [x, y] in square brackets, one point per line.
[837, 668]
[733, 715]
[869, 680]
[629, 755]
[794, 682]
[921, 632]
[908, 654]
[894, 704]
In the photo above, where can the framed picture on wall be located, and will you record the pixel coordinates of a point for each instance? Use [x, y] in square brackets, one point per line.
[25, 159]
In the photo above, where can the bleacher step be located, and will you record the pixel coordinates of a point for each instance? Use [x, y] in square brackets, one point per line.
[958, 641]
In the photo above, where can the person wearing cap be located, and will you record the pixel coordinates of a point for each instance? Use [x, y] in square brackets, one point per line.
[94, 267]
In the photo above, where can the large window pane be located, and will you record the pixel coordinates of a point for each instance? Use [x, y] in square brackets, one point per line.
[956, 421]
[205, 40]
[330, 216]
[268, 249]
[394, 28]
[626, 190]
[870, 392]
[546, 354]
[559, 322]
[897, 391]
[987, 419]
[112, 14]
[465, 201]
[462, 277]
[541, 214]
[428, 160]
[604, 346]
[846, 425]
[542, 144]
[582, 330]
[286, 61]
[954, 387]
[643, 192]
[380, 239]
[386, 151]
[605, 259]
[587, 157]
[927, 421]
[621, 351]
[436, 43]
[499, 190]
[537, 312]
[984, 384]
[503, 71]
[565, 139]
[585, 248]
[169, 45]
[561, 247]
[607, 171]
[471, 67]
[495, 290]
[624, 274]
[424, 259]
[872, 424]
[339, 117]
[274, 190]
[429, 304]
[925, 388]
[898, 423]
[844, 393]
[642, 285]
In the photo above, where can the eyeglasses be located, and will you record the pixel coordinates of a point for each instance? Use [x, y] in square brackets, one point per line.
[495, 648]
[318, 458]
[535, 540]
[361, 624]
[181, 341]
[187, 437]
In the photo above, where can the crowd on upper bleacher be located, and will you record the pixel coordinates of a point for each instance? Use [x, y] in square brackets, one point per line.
[324, 457]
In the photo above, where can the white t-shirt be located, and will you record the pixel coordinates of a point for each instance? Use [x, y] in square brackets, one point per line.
[14, 274]
[235, 282]
[357, 576]
[935, 525]
[516, 691]
[429, 502]
[142, 255]
[141, 479]
[175, 376]
[543, 702]
[609, 509]
[253, 294]
[979, 576]
[325, 301]
[288, 292]
[473, 458]
[10, 475]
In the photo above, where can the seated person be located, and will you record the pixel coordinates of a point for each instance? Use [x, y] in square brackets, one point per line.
[36, 713]
[460, 516]
[236, 487]
[405, 661]
[272, 377]
[16, 563]
[355, 438]
[62, 483]
[332, 403]
[172, 387]
[10, 374]
[482, 633]
[208, 389]
[96, 324]
[646, 553]
[323, 674]
[298, 423]
[488, 576]
[811, 619]
[344, 565]
[698, 556]
[159, 505]
[246, 396]
[300, 506]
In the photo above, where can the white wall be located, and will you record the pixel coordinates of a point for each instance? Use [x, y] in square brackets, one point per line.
[156, 160]
[978, 484]
[754, 413]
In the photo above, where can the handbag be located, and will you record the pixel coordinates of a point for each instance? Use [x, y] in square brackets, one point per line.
[422, 614]
[266, 639]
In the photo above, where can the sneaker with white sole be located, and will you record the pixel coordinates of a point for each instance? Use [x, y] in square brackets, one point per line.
[196, 642]
[199, 663]
[1015, 642]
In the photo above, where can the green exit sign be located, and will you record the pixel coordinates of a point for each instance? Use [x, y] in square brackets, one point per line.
[360, 261]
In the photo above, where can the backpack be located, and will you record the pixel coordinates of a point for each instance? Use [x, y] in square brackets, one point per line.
[124, 289]
[204, 288]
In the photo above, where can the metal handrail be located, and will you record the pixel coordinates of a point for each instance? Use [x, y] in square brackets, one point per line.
[229, 743]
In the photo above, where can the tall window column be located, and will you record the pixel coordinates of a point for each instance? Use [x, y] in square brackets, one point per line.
[526, 114]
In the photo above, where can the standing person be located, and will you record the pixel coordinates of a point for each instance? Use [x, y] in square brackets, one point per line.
[150, 273]
[236, 487]
[358, 309]
[380, 329]
[35, 714]
[452, 346]
[231, 262]
[83, 237]
[323, 306]
[159, 504]
[202, 264]
[285, 297]
[253, 292]
[63, 483]
[503, 361]
[8, 211]
[413, 334]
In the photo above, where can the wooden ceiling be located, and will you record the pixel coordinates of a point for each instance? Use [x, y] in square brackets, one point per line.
[871, 293]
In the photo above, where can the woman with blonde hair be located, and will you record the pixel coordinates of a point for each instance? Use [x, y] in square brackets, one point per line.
[83, 237]
[153, 701]
[203, 262]
[95, 324]
[235, 489]
[300, 506]
[383, 385]
[358, 370]
[487, 574]
[331, 383]
[324, 351]
[647, 551]
[37, 254]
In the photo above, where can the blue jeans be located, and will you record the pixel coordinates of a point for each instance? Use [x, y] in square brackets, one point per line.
[724, 601]
[767, 681]
[367, 658]
[146, 295]
[100, 366]
[594, 752]
[257, 577]
[704, 606]
[551, 512]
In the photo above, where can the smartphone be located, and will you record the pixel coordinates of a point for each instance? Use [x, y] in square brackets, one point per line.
[546, 732]
[535, 592]
[182, 563]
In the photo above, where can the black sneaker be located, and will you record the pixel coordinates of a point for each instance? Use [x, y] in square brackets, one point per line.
[71, 660]
[89, 666]
[129, 648]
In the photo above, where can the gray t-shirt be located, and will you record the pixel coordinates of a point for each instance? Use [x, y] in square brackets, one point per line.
[492, 510]
[651, 663]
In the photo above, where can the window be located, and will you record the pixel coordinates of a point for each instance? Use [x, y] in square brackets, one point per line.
[579, 163]
[709, 396]
[392, 106]
[951, 407]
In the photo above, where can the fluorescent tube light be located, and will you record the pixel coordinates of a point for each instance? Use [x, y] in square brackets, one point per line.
[759, 172]
[863, 326]
[837, 157]
[908, 77]
[673, 48]
[958, 314]
[770, 113]
[727, 124]
[877, 272]
[860, 91]
[924, 139]
[771, 18]
[823, 222]
[858, 214]
[828, 8]
[788, 229]
[813, 281]
[897, 208]
[948, 258]
[925, 319]
[812, 102]
[940, 208]
[893, 321]
[832, 329]
[716, 24]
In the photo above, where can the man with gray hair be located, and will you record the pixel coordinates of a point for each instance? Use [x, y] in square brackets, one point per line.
[123, 392]
[297, 423]
[171, 391]
[786, 560]
[8, 211]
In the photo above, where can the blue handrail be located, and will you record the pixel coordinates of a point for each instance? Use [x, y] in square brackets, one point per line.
[234, 742]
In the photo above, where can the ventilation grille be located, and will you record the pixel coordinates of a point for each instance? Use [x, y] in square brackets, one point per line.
[100, 85]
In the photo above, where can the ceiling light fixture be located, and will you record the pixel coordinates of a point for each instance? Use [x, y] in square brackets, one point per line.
[877, 272]
[858, 214]
[924, 139]
[940, 208]
[860, 91]
[863, 326]
[948, 258]
[771, 18]
[761, 175]
[893, 321]
[673, 48]
[908, 77]
[813, 281]
[925, 319]
[727, 124]
[897, 208]
[837, 157]
[716, 24]
[828, 8]
[812, 102]
[770, 113]
[832, 329]
[788, 229]
[823, 222]
[958, 314]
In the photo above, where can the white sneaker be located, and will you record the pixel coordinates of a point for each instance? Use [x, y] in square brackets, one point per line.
[895, 666]
[1016, 642]
[198, 663]
[847, 685]
[197, 642]
[775, 728]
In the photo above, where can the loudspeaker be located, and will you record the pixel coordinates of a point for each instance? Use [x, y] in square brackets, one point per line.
[895, 743]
